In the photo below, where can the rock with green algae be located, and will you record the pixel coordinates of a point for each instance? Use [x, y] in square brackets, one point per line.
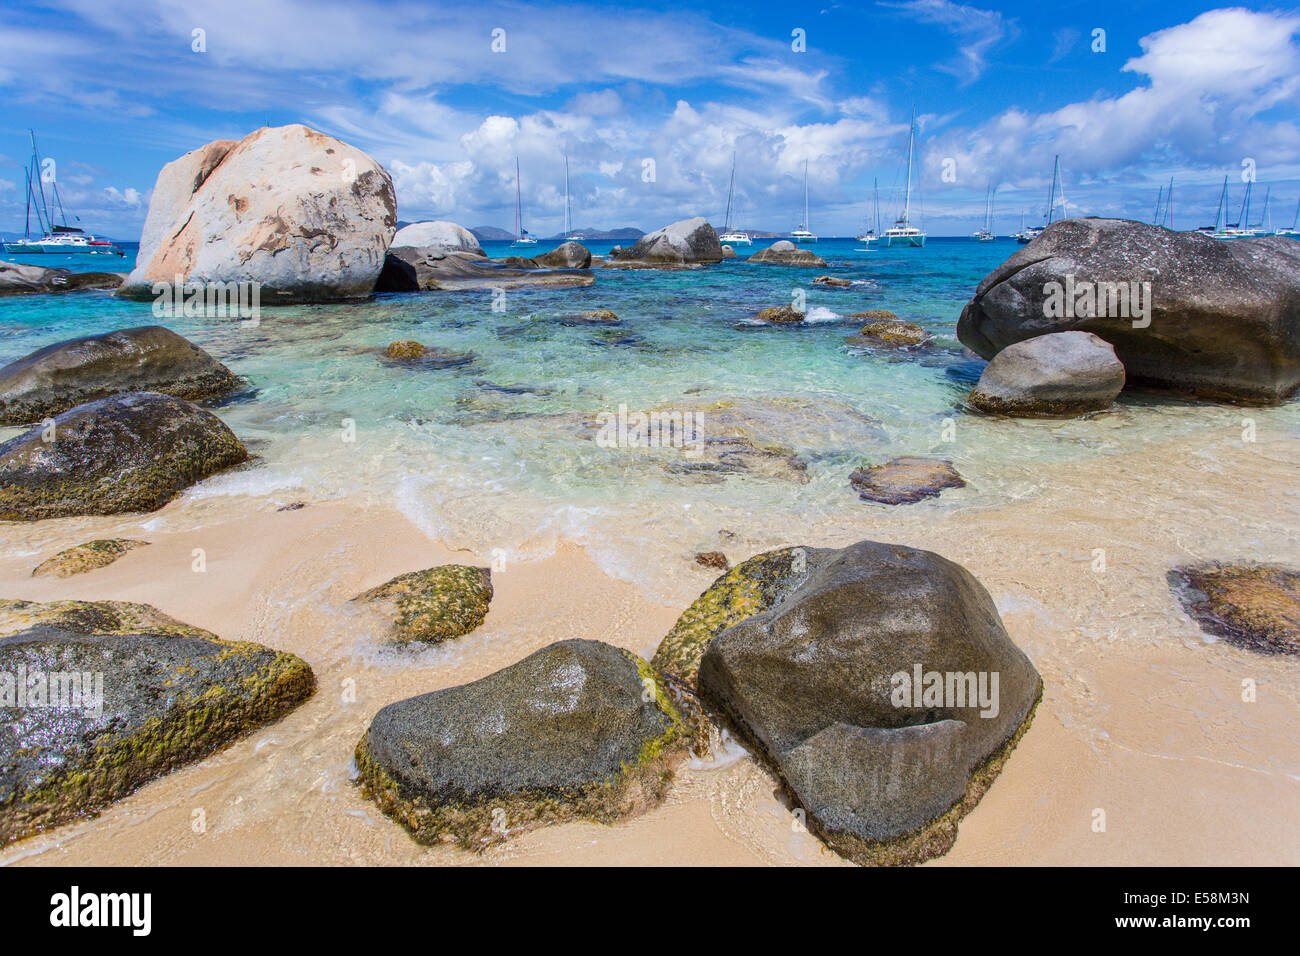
[433, 605]
[750, 588]
[132, 452]
[1253, 606]
[578, 729]
[86, 557]
[885, 694]
[170, 694]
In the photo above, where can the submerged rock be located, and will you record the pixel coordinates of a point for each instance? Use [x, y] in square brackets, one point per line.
[132, 452]
[1063, 373]
[149, 358]
[1215, 318]
[579, 729]
[1253, 606]
[404, 349]
[781, 315]
[835, 282]
[433, 605]
[712, 559]
[304, 215]
[905, 480]
[786, 253]
[87, 557]
[161, 695]
[890, 331]
[875, 315]
[690, 243]
[885, 693]
[17, 279]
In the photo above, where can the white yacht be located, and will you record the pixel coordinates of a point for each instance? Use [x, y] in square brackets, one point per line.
[522, 238]
[802, 234]
[986, 231]
[54, 239]
[902, 232]
[1033, 232]
[733, 237]
[567, 234]
[873, 232]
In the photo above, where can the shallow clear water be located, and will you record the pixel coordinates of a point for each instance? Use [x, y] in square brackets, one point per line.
[493, 455]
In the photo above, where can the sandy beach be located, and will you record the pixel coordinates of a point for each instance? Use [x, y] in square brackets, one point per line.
[1142, 715]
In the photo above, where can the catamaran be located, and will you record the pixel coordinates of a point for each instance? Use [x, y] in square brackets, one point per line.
[69, 240]
[733, 237]
[902, 232]
[1295, 224]
[1033, 232]
[567, 234]
[522, 238]
[986, 231]
[873, 232]
[802, 234]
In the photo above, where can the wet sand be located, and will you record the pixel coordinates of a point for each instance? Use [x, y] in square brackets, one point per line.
[1142, 716]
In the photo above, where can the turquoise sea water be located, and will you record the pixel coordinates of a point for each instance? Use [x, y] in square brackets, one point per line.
[493, 455]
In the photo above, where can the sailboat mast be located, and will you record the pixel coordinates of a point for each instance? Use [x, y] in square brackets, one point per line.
[36, 171]
[805, 194]
[907, 197]
[1051, 193]
[1223, 198]
[518, 234]
[1169, 204]
[875, 189]
[1160, 195]
[726, 226]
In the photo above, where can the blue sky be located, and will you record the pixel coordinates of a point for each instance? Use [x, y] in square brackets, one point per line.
[115, 90]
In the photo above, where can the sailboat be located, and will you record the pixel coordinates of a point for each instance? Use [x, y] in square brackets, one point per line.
[1033, 232]
[986, 231]
[568, 235]
[733, 237]
[522, 238]
[1265, 225]
[802, 234]
[902, 232]
[56, 238]
[1295, 224]
[873, 232]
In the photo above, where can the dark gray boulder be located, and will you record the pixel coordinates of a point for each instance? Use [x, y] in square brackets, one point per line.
[17, 279]
[783, 252]
[567, 255]
[1223, 318]
[409, 269]
[689, 243]
[132, 452]
[116, 694]
[149, 358]
[825, 685]
[577, 729]
[1062, 373]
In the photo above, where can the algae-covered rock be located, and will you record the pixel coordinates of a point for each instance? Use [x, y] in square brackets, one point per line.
[891, 331]
[1253, 606]
[86, 557]
[132, 452]
[750, 588]
[434, 605]
[577, 729]
[404, 349]
[780, 315]
[149, 358]
[885, 693]
[115, 694]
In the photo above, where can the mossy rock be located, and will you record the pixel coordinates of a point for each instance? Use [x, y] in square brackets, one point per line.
[132, 452]
[781, 315]
[578, 729]
[149, 358]
[1253, 606]
[893, 331]
[86, 557]
[750, 588]
[404, 349]
[434, 605]
[170, 694]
